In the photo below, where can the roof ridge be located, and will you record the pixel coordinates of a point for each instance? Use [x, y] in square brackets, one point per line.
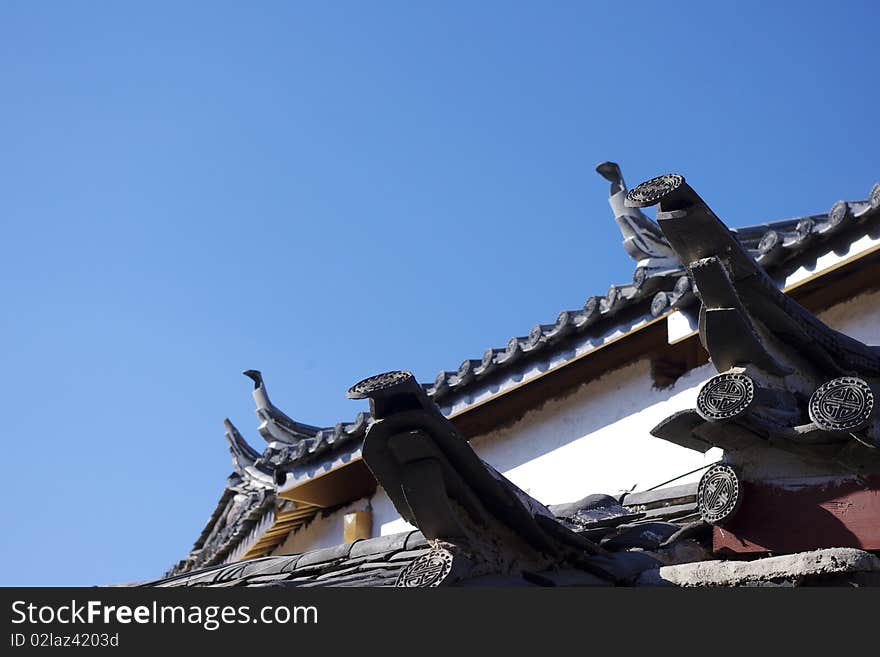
[658, 280]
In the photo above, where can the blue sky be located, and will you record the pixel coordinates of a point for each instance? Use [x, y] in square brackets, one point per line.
[324, 191]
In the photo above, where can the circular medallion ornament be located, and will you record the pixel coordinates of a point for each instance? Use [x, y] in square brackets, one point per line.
[838, 214]
[612, 297]
[659, 303]
[725, 396]
[719, 494]
[682, 286]
[465, 369]
[651, 191]
[373, 384]
[843, 404]
[640, 275]
[769, 241]
[535, 335]
[563, 319]
[805, 228]
[591, 307]
[428, 570]
[360, 422]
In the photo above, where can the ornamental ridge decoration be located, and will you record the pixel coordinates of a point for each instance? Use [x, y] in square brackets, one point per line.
[372, 384]
[659, 303]
[725, 396]
[843, 404]
[429, 570]
[769, 241]
[719, 494]
[838, 213]
[651, 191]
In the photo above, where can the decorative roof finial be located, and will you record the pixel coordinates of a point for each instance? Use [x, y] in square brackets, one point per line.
[275, 425]
[642, 238]
[245, 457]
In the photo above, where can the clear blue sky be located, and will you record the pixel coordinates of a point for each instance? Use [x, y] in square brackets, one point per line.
[188, 190]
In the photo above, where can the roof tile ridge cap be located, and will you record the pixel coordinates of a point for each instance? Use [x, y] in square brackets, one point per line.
[265, 405]
[568, 322]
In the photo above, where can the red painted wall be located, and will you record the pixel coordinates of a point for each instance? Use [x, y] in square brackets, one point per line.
[794, 515]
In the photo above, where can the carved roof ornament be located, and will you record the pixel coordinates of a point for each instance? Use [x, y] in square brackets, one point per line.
[844, 404]
[719, 494]
[246, 460]
[428, 571]
[274, 423]
[642, 238]
[438, 483]
[785, 378]
[725, 396]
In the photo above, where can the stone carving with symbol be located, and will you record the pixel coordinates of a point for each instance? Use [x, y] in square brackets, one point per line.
[725, 396]
[428, 570]
[843, 404]
[719, 494]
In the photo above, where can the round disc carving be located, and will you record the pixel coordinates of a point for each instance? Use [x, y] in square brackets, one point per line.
[535, 335]
[843, 404]
[805, 228]
[640, 275]
[719, 494]
[659, 303]
[838, 213]
[725, 396]
[769, 241]
[682, 286]
[563, 319]
[372, 384]
[465, 369]
[427, 571]
[613, 296]
[651, 191]
[591, 306]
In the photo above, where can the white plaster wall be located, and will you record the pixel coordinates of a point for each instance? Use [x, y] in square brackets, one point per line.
[386, 520]
[859, 318]
[595, 440]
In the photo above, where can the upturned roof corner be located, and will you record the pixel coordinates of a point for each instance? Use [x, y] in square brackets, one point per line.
[784, 376]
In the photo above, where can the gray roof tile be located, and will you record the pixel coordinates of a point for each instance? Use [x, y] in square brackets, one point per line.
[379, 544]
[415, 539]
